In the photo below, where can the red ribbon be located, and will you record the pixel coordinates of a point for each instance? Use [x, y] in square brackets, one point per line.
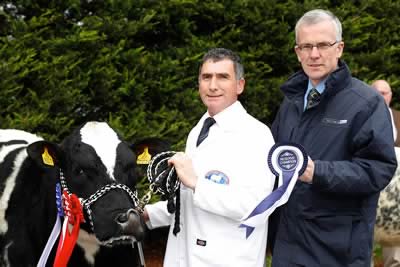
[73, 218]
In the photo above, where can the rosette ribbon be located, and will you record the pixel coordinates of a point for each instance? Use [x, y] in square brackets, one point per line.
[70, 228]
[287, 161]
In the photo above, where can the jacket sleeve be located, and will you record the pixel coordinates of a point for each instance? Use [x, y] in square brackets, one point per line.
[275, 123]
[373, 160]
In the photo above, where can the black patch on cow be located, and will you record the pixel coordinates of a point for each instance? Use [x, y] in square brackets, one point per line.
[13, 142]
[125, 165]
[7, 166]
[85, 173]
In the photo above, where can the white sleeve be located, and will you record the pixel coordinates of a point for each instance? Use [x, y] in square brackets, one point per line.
[158, 215]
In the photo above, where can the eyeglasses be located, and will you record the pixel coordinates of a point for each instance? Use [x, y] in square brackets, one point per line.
[320, 46]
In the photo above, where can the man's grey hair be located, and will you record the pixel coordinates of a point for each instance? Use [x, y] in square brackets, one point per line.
[218, 54]
[316, 16]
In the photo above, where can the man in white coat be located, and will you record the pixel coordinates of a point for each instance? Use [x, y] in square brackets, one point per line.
[223, 176]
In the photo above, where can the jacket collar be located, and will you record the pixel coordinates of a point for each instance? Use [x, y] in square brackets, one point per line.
[296, 85]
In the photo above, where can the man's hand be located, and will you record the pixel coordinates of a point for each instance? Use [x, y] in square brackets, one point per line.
[145, 215]
[308, 174]
[184, 169]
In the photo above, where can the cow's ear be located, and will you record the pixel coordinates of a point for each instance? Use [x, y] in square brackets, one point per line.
[44, 153]
[147, 148]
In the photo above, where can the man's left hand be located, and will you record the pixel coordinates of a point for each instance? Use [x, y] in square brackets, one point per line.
[308, 174]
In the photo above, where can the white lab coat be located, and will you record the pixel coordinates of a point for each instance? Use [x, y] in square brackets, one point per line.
[235, 151]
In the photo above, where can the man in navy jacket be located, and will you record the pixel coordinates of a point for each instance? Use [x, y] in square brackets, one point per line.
[346, 131]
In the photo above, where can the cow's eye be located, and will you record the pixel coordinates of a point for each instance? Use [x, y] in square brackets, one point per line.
[79, 172]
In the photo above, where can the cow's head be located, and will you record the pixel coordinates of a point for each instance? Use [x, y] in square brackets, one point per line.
[100, 169]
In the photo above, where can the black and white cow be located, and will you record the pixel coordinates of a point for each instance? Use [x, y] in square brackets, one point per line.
[387, 226]
[96, 165]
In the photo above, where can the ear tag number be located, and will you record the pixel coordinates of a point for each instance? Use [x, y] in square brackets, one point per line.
[145, 157]
[47, 159]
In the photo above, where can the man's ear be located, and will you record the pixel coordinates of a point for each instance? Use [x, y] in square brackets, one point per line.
[297, 51]
[339, 49]
[241, 84]
[44, 153]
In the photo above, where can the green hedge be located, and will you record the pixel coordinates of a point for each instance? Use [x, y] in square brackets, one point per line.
[134, 63]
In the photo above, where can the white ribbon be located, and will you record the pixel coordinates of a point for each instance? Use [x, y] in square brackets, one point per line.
[50, 243]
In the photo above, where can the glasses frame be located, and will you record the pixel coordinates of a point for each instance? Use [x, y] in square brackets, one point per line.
[321, 46]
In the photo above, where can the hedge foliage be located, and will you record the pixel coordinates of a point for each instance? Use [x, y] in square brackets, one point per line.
[134, 63]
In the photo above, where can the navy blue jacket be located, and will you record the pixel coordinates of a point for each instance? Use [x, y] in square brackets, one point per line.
[330, 222]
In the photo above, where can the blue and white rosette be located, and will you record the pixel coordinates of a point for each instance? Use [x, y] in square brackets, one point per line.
[288, 161]
[56, 229]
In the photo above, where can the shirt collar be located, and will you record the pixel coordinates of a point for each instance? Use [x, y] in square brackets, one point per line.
[228, 118]
[320, 88]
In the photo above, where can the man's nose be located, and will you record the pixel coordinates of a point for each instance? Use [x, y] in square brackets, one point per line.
[213, 83]
[315, 52]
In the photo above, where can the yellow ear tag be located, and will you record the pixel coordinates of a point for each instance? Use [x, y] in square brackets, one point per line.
[145, 157]
[47, 159]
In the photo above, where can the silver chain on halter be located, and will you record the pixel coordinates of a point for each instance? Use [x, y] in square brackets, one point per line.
[86, 203]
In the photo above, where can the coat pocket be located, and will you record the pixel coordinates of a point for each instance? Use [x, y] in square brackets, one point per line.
[330, 237]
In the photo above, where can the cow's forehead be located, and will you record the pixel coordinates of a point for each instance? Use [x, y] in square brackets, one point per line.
[104, 140]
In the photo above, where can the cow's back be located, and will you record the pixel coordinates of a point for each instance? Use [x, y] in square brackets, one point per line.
[13, 154]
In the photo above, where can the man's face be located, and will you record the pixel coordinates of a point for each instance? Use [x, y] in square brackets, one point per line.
[384, 89]
[218, 87]
[318, 63]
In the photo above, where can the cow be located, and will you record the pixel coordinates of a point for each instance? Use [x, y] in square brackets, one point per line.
[387, 225]
[92, 163]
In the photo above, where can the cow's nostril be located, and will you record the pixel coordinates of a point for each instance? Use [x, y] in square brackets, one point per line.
[122, 218]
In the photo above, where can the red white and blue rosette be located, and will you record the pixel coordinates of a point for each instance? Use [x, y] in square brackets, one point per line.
[287, 161]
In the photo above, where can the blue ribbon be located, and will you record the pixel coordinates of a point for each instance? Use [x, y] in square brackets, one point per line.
[270, 200]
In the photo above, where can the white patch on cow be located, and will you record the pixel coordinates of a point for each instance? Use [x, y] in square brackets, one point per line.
[89, 244]
[12, 134]
[6, 150]
[8, 189]
[104, 141]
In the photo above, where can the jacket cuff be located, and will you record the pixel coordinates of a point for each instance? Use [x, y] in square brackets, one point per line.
[316, 180]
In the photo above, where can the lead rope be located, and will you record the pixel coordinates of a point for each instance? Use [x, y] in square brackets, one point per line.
[163, 180]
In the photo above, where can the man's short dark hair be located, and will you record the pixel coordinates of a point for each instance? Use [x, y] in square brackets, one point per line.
[218, 54]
